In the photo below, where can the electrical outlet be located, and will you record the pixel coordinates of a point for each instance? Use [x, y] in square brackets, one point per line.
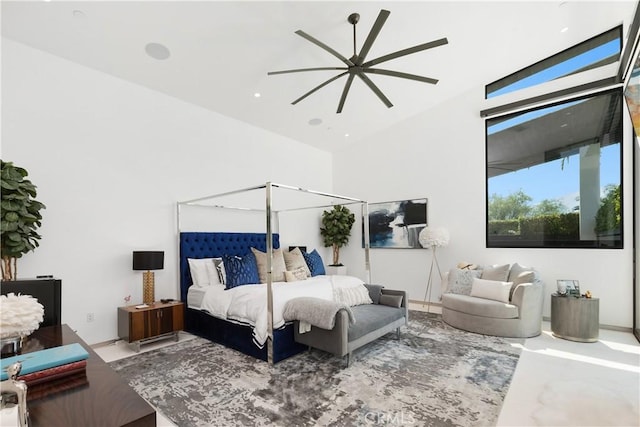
[90, 317]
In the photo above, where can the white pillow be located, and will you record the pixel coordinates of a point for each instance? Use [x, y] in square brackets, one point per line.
[294, 260]
[491, 289]
[204, 271]
[354, 295]
[296, 275]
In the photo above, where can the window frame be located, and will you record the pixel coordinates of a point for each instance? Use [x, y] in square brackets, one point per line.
[558, 58]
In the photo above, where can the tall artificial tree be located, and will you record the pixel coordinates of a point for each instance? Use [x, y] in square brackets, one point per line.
[20, 217]
[336, 229]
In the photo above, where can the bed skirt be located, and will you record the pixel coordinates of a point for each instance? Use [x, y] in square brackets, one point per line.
[239, 337]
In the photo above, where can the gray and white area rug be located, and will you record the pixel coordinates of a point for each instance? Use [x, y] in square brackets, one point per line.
[434, 375]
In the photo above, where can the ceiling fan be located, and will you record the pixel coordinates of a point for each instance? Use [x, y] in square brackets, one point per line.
[356, 65]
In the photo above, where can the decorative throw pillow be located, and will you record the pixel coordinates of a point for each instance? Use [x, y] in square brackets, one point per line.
[222, 274]
[374, 292]
[203, 271]
[314, 262]
[296, 275]
[460, 281]
[240, 270]
[496, 272]
[391, 300]
[354, 295]
[491, 289]
[294, 259]
[277, 265]
[520, 274]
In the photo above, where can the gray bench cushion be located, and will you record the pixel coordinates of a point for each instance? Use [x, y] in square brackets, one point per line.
[479, 306]
[370, 317]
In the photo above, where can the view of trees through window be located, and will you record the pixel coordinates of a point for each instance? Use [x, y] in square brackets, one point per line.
[554, 175]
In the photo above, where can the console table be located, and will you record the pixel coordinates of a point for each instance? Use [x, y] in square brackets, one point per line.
[575, 319]
[105, 400]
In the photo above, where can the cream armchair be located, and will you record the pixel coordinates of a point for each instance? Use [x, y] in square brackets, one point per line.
[514, 312]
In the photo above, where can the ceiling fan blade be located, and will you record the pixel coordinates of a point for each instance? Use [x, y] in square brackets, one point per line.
[375, 90]
[299, 70]
[345, 91]
[318, 87]
[407, 51]
[375, 30]
[324, 46]
[401, 75]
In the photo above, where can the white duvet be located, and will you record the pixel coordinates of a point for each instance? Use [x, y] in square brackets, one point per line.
[248, 303]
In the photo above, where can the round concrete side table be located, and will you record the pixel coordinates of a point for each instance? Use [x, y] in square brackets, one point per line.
[575, 319]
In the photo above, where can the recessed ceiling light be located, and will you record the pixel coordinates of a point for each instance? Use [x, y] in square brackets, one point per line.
[564, 30]
[157, 51]
[346, 135]
[257, 95]
[315, 122]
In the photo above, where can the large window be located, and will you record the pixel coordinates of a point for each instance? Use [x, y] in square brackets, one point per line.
[554, 175]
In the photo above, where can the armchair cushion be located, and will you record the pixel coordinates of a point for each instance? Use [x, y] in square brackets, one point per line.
[520, 274]
[496, 272]
[491, 289]
[479, 306]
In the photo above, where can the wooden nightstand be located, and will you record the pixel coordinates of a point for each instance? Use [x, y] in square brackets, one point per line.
[155, 322]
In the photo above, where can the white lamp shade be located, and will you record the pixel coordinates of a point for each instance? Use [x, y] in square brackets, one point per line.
[433, 236]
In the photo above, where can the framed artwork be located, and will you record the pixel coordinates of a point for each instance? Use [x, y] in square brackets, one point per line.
[397, 224]
[568, 287]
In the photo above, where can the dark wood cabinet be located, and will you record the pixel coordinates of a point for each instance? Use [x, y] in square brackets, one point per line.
[157, 321]
[48, 292]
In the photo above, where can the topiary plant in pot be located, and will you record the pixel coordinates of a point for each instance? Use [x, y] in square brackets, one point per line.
[336, 229]
[20, 217]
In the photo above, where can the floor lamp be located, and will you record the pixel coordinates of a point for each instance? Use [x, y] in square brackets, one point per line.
[432, 238]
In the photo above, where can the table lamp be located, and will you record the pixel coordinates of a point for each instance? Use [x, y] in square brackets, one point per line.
[148, 260]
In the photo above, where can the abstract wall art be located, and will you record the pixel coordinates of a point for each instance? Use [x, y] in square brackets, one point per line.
[397, 224]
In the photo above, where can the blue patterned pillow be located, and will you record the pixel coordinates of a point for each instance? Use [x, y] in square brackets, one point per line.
[314, 261]
[240, 270]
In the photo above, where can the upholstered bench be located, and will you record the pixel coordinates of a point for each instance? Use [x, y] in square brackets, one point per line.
[387, 313]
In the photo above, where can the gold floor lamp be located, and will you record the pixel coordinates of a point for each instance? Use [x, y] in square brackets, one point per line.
[148, 260]
[432, 238]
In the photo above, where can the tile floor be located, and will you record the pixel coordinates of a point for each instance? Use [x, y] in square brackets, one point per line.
[556, 383]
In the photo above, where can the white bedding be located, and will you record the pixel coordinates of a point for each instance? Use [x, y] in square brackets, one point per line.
[248, 303]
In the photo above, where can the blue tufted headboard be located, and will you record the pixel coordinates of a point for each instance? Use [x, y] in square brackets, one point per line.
[213, 245]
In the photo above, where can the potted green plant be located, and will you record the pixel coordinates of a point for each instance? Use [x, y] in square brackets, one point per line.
[20, 217]
[336, 229]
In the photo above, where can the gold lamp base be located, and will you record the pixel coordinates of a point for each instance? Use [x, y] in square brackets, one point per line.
[148, 287]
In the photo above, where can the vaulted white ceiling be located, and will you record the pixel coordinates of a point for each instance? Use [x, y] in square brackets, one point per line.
[220, 52]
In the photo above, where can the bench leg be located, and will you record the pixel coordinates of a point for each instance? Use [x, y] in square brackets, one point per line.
[398, 332]
[349, 359]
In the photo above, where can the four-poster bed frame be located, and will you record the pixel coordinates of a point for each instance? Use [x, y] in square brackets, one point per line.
[270, 238]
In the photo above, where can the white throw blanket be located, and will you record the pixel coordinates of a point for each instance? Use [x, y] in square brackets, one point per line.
[315, 312]
[248, 303]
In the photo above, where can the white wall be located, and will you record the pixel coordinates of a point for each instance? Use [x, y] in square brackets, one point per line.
[441, 155]
[110, 160]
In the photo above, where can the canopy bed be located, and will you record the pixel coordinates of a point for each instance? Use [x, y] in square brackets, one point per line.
[254, 328]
